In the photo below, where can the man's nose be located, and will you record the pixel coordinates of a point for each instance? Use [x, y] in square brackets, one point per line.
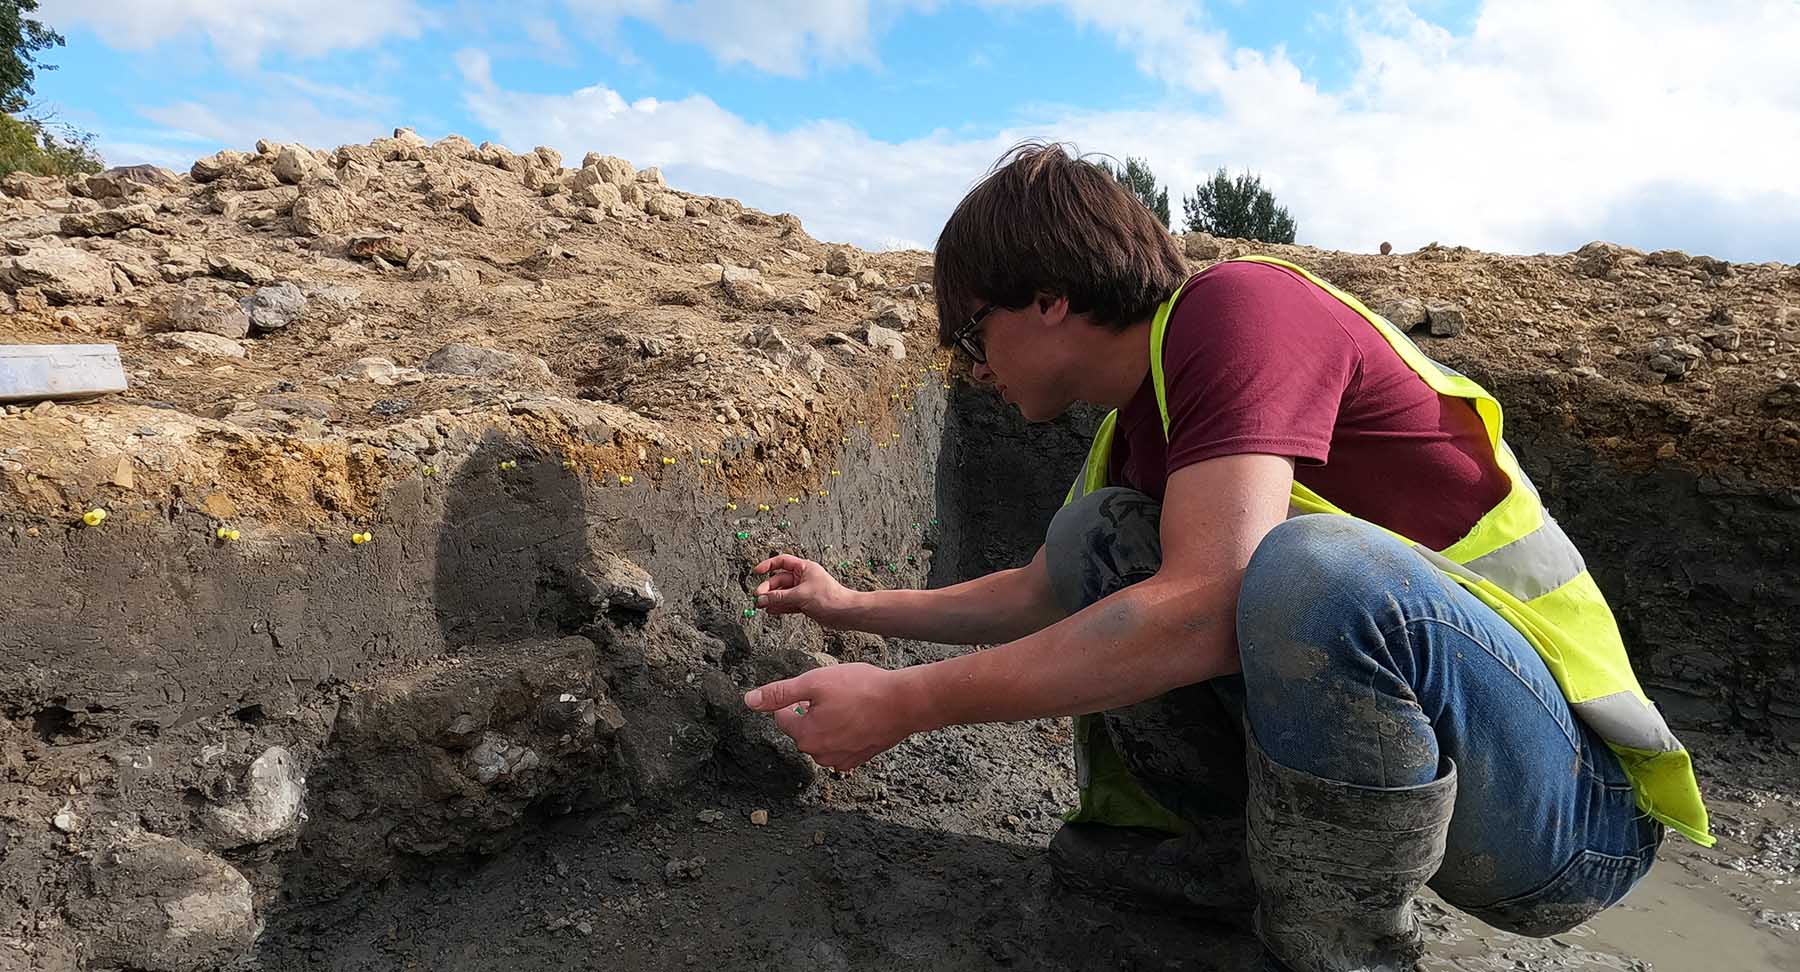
[982, 373]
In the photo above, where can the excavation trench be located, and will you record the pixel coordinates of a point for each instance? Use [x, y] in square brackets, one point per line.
[507, 730]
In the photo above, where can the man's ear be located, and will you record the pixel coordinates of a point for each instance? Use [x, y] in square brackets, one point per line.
[1052, 308]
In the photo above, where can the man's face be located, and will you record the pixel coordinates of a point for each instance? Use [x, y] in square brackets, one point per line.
[1024, 349]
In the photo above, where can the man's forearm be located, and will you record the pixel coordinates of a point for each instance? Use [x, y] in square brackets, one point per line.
[988, 610]
[1136, 644]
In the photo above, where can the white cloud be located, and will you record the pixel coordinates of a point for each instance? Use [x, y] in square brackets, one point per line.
[1546, 125]
[242, 31]
[844, 184]
[780, 37]
[204, 127]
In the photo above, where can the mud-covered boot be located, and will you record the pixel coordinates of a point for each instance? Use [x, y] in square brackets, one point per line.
[1336, 866]
[1204, 874]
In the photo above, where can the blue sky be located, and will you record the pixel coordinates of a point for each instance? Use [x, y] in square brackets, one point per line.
[1522, 126]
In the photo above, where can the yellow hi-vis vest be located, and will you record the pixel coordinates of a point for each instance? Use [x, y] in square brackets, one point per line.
[1515, 559]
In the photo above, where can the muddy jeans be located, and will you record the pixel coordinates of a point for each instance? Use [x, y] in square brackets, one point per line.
[1362, 663]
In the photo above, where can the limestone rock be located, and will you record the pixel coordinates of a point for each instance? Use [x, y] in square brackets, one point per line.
[609, 168]
[482, 209]
[269, 805]
[666, 204]
[744, 286]
[499, 156]
[157, 904]
[651, 176]
[206, 310]
[1445, 320]
[273, 308]
[474, 361]
[776, 347]
[870, 279]
[880, 338]
[453, 272]
[106, 222]
[895, 315]
[322, 211]
[595, 193]
[380, 246]
[620, 585]
[1200, 246]
[843, 261]
[456, 146]
[24, 185]
[1404, 313]
[295, 165]
[231, 267]
[201, 343]
[64, 275]
[1673, 358]
[547, 158]
[804, 302]
[217, 165]
[1600, 259]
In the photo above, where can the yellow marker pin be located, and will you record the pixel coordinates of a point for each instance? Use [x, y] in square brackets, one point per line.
[763, 507]
[625, 480]
[834, 472]
[226, 533]
[824, 492]
[361, 538]
[896, 435]
[94, 517]
[429, 470]
[706, 462]
[508, 464]
[846, 440]
[668, 460]
[568, 464]
[731, 506]
[793, 499]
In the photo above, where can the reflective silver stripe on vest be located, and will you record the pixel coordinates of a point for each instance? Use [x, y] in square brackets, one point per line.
[1623, 718]
[1533, 565]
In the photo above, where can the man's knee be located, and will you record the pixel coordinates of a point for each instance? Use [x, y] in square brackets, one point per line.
[1100, 543]
[1312, 561]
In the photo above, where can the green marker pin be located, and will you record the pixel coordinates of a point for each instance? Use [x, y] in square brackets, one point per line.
[749, 612]
[743, 535]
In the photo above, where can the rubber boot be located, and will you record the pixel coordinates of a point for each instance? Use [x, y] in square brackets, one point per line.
[1203, 874]
[1336, 866]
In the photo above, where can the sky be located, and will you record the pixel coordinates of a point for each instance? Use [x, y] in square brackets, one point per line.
[1518, 126]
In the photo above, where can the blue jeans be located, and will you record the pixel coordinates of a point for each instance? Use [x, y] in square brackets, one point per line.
[1364, 664]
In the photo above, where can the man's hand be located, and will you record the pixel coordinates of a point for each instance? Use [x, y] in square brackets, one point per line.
[799, 586]
[843, 715]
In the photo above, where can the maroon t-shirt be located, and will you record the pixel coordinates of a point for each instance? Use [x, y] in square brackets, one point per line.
[1257, 359]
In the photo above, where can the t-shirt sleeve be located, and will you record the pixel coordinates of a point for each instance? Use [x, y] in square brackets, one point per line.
[1255, 361]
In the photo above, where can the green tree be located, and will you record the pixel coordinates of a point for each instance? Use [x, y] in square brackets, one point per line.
[1137, 177]
[41, 148]
[28, 142]
[21, 38]
[1240, 208]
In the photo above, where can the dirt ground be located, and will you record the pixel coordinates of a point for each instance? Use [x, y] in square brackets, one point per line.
[932, 857]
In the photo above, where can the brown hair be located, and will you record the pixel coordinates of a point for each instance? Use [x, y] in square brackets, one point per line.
[1046, 221]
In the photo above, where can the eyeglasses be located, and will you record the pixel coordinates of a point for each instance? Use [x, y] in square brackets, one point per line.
[967, 337]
